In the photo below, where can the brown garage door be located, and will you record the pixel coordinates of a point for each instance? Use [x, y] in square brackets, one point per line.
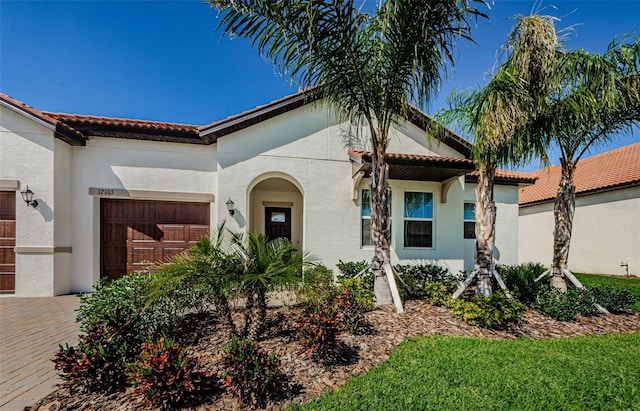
[136, 232]
[7, 242]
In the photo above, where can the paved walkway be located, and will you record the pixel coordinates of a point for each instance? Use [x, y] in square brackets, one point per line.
[30, 331]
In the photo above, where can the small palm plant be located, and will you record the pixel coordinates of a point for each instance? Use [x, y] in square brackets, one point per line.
[211, 265]
[268, 265]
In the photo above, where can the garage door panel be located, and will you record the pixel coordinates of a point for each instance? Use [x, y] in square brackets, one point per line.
[7, 241]
[153, 231]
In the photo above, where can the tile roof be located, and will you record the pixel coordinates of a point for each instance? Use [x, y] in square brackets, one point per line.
[417, 158]
[505, 177]
[121, 122]
[606, 171]
[28, 109]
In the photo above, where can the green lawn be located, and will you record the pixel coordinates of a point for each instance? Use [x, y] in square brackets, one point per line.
[632, 283]
[458, 373]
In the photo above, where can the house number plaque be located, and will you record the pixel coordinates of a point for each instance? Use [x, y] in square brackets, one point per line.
[107, 192]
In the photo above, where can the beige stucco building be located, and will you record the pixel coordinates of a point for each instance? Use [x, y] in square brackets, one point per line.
[115, 194]
[606, 226]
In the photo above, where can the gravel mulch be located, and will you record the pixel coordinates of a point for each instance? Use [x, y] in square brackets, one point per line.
[362, 352]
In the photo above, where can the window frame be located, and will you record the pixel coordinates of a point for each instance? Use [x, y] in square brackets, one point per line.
[432, 219]
[467, 220]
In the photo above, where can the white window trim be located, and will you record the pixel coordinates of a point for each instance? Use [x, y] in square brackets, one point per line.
[432, 219]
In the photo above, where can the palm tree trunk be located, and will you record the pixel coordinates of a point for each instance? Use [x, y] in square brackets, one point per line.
[258, 314]
[224, 313]
[563, 211]
[485, 229]
[248, 312]
[379, 196]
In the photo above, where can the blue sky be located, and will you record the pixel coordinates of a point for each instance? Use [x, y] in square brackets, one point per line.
[162, 60]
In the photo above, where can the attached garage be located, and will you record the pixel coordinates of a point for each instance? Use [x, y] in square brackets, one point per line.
[7, 242]
[135, 233]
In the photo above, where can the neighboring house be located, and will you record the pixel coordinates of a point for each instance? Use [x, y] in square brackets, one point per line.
[606, 226]
[115, 194]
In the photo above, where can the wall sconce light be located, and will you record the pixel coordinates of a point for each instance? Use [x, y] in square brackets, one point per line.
[230, 205]
[27, 196]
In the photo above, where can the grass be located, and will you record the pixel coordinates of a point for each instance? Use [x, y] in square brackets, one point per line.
[632, 283]
[453, 373]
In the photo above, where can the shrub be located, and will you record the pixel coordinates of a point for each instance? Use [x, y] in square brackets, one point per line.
[440, 292]
[613, 299]
[416, 277]
[318, 329]
[565, 306]
[350, 269]
[251, 374]
[317, 280]
[166, 374]
[521, 280]
[362, 289]
[114, 302]
[494, 312]
[351, 310]
[99, 361]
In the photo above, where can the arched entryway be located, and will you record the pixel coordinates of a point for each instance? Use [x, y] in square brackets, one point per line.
[276, 208]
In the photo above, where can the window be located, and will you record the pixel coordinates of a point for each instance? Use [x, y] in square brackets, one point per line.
[365, 218]
[470, 220]
[418, 219]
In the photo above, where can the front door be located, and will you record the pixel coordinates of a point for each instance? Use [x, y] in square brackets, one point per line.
[277, 222]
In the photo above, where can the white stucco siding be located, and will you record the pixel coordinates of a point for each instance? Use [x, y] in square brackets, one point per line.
[411, 139]
[27, 155]
[606, 232]
[148, 169]
[307, 148]
[63, 217]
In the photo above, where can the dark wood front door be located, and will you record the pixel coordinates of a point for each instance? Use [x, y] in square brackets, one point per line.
[7, 242]
[277, 222]
[136, 233]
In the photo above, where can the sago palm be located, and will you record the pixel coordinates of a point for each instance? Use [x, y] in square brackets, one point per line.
[210, 264]
[269, 265]
[369, 65]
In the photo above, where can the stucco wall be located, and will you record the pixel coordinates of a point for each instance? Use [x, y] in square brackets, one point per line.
[148, 169]
[606, 232]
[26, 155]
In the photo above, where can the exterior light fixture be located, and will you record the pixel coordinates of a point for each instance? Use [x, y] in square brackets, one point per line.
[27, 196]
[230, 205]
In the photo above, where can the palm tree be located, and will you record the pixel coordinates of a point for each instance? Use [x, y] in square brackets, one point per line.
[368, 66]
[211, 265]
[595, 97]
[268, 265]
[496, 116]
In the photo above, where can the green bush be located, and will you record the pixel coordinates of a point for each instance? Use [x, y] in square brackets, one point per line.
[114, 302]
[350, 269]
[440, 292]
[415, 279]
[166, 375]
[613, 299]
[362, 289]
[251, 374]
[317, 281]
[495, 312]
[520, 279]
[565, 306]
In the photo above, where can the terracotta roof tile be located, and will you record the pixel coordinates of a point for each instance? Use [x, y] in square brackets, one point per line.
[26, 108]
[121, 122]
[413, 157]
[608, 170]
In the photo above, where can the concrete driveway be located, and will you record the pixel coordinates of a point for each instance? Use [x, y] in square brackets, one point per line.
[30, 331]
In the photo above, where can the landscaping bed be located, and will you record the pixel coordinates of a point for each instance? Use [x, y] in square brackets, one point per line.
[308, 379]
